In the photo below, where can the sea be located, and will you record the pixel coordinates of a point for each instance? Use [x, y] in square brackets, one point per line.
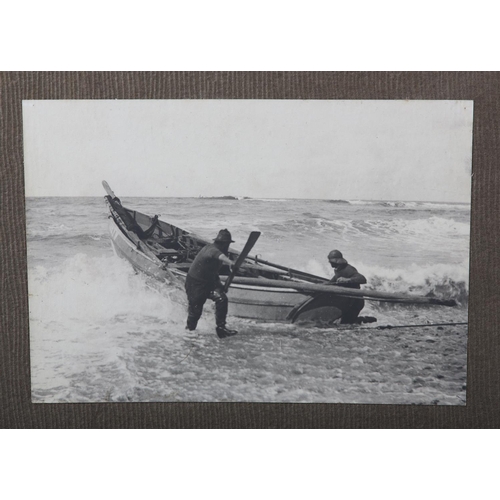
[100, 332]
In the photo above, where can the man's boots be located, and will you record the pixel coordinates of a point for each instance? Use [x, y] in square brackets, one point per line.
[223, 332]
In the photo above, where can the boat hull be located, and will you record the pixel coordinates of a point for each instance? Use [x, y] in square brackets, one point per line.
[267, 305]
[127, 250]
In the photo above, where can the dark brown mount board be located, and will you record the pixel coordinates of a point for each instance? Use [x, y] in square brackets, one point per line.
[483, 392]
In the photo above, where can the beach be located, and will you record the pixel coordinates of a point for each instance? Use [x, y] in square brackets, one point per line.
[100, 332]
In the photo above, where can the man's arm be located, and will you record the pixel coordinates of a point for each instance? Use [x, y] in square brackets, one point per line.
[351, 276]
[356, 278]
[225, 259]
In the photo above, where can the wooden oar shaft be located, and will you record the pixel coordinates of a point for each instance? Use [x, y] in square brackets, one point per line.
[295, 272]
[343, 291]
[254, 236]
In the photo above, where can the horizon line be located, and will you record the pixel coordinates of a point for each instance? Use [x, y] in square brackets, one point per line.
[242, 198]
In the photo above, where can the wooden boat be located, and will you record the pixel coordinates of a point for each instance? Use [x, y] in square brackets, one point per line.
[261, 290]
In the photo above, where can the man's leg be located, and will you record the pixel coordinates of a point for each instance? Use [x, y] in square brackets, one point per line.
[197, 297]
[195, 308]
[351, 312]
[221, 305]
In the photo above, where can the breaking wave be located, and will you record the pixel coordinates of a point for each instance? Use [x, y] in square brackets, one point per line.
[98, 290]
[47, 230]
[426, 229]
[443, 281]
[413, 204]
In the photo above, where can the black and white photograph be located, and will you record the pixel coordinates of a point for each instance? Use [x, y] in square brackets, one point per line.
[290, 251]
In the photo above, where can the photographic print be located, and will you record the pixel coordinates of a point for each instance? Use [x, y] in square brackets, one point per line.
[312, 251]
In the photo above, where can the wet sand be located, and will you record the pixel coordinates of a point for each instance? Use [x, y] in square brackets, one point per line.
[351, 365]
[270, 363]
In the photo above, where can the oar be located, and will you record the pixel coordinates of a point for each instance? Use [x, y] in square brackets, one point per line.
[293, 272]
[254, 236]
[310, 288]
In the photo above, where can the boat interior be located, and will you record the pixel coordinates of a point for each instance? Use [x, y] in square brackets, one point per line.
[177, 248]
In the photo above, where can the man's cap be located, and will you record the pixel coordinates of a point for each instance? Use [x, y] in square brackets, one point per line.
[336, 257]
[224, 236]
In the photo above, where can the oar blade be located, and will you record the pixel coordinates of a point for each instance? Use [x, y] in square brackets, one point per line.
[252, 239]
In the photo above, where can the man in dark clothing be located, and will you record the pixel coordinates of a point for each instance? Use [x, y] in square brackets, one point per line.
[130, 222]
[203, 282]
[347, 276]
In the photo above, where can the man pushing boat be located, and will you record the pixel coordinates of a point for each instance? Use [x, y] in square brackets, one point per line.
[203, 282]
[346, 276]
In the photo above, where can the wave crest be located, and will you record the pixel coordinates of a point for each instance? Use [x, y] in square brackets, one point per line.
[443, 281]
[98, 289]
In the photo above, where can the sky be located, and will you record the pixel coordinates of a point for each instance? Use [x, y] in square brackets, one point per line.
[316, 149]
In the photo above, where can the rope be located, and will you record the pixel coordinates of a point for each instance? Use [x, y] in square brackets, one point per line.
[388, 327]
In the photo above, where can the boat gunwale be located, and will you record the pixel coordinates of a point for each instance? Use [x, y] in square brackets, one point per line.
[182, 274]
[203, 241]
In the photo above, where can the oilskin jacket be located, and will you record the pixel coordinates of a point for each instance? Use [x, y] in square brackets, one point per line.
[348, 271]
[201, 281]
